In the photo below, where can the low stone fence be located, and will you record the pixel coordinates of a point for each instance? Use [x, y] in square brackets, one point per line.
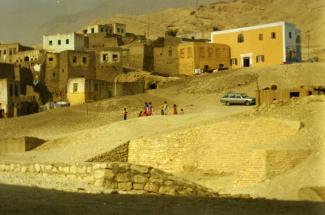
[115, 176]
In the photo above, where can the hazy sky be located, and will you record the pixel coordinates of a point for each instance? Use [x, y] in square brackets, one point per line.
[24, 20]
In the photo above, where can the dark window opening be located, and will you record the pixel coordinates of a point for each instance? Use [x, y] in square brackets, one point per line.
[310, 93]
[59, 42]
[240, 38]
[75, 87]
[294, 94]
[260, 36]
[84, 60]
[153, 86]
[290, 35]
[50, 59]
[50, 42]
[53, 74]
[26, 59]
[92, 30]
[74, 60]
[115, 57]
[67, 41]
[273, 35]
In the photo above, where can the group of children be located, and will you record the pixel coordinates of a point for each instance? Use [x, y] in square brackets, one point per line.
[148, 110]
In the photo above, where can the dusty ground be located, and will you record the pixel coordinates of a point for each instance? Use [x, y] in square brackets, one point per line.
[40, 201]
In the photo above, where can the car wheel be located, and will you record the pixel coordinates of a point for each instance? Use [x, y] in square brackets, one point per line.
[247, 103]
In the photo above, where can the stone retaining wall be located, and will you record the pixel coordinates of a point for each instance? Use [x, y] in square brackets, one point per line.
[115, 176]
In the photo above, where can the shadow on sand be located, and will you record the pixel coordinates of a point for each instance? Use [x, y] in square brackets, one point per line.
[31, 201]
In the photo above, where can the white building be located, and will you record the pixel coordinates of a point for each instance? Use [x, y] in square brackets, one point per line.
[9, 97]
[64, 42]
[119, 29]
[95, 29]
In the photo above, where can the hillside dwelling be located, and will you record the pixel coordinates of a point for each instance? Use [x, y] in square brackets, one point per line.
[187, 58]
[119, 29]
[109, 63]
[262, 45]
[30, 57]
[82, 90]
[101, 41]
[9, 51]
[200, 35]
[95, 29]
[64, 42]
[138, 55]
[9, 97]
[60, 67]
[271, 94]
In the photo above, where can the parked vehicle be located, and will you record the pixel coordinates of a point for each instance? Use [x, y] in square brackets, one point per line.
[237, 98]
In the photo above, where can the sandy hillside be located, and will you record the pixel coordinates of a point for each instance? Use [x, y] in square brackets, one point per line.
[307, 15]
[73, 136]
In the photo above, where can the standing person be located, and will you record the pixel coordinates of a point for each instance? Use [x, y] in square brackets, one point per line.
[175, 109]
[150, 109]
[125, 114]
[165, 108]
[145, 112]
[1, 112]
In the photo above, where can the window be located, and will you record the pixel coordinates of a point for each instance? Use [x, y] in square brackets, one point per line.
[4, 52]
[298, 39]
[59, 42]
[115, 58]
[74, 59]
[67, 41]
[122, 30]
[170, 52]
[233, 61]
[10, 51]
[84, 60]
[259, 58]
[75, 87]
[102, 30]
[240, 38]
[104, 57]
[182, 53]
[50, 42]
[93, 30]
[189, 52]
[260, 36]
[50, 59]
[290, 35]
[15, 50]
[201, 52]
[273, 35]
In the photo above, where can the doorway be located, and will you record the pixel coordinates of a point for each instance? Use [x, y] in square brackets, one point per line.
[246, 61]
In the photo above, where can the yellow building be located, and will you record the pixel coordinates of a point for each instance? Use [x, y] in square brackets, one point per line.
[261, 45]
[188, 57]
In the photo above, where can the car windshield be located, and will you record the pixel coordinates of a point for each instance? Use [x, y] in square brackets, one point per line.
[244, 95]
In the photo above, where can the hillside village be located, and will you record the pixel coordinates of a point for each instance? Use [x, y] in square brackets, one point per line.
[77, 68]
[70, 119]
